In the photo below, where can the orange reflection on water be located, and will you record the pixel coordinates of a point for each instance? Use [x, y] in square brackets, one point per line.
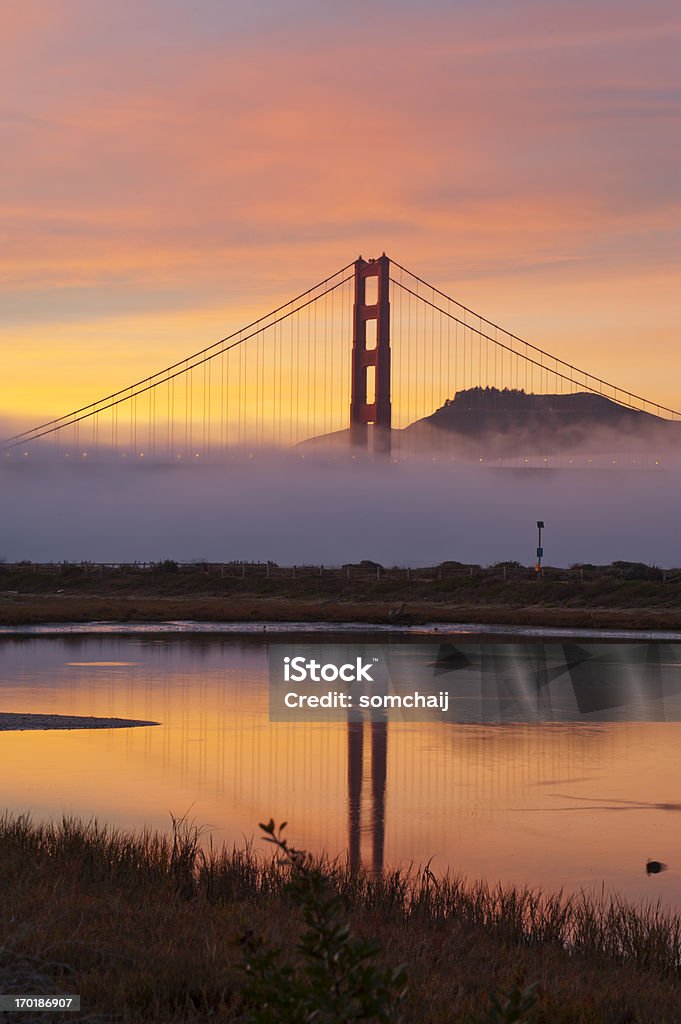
[555, 805]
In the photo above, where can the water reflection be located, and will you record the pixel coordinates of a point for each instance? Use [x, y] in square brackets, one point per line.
[379, 775]
[559, 805]
[355, 775]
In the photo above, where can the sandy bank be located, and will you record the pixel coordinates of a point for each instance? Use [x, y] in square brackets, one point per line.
[19, 722]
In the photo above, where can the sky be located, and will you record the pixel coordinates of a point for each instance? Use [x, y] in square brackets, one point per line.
[170, 169]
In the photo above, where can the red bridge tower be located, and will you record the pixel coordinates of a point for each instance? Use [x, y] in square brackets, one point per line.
[370, 401]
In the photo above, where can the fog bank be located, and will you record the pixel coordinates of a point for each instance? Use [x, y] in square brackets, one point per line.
[331, 510]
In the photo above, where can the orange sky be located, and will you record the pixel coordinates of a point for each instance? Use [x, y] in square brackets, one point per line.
[171, 170]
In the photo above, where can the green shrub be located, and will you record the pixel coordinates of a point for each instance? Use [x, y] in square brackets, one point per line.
[333, 978]
[511, 1008]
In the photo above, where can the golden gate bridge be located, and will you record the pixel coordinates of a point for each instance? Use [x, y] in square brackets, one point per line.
[357, 358]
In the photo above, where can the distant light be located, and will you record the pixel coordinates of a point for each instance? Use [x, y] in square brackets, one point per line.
[197, 455]
[141, 455]
[85, 455]
[25, 453]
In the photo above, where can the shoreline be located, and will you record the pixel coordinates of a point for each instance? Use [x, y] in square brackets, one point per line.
[161, 928]
[44, 609]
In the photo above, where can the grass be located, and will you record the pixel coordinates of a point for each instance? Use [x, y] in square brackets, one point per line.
[623, 595]
[37, 610]
[155, 928]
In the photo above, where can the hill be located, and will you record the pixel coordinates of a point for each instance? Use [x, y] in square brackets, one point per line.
[511, 423]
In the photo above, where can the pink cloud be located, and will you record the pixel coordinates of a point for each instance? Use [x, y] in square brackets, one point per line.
[525, 147]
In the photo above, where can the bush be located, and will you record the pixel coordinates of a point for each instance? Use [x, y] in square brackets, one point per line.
[334, 979]
[168, 565]
[511, 1008]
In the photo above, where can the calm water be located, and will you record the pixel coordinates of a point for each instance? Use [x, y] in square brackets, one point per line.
[578, 806]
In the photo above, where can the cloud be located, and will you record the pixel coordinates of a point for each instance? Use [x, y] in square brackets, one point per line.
[161, 159]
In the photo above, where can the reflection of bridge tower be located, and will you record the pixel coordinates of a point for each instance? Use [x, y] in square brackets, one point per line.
[379, 759]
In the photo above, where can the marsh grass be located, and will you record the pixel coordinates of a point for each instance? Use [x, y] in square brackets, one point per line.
[590, 596]
[151, 927]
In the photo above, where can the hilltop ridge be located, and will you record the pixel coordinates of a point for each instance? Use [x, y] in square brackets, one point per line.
[510, 423]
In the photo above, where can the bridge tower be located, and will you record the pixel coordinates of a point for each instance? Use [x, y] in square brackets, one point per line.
[370, 402]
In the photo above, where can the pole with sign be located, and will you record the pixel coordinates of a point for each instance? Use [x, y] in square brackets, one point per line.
[540, 550]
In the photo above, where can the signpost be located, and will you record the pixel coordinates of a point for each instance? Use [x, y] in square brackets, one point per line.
[540, 550]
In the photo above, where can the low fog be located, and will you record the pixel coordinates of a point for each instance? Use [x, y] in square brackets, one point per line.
[329, 508]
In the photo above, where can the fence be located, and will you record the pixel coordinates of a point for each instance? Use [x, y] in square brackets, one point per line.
[366, 571]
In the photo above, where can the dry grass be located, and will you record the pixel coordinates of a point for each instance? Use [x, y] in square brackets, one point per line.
[148, 928]
[31, 609]
[617, 596]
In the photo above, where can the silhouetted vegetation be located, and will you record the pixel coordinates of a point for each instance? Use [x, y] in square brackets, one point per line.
[626, 594]
[169, 928]
[335, 978]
